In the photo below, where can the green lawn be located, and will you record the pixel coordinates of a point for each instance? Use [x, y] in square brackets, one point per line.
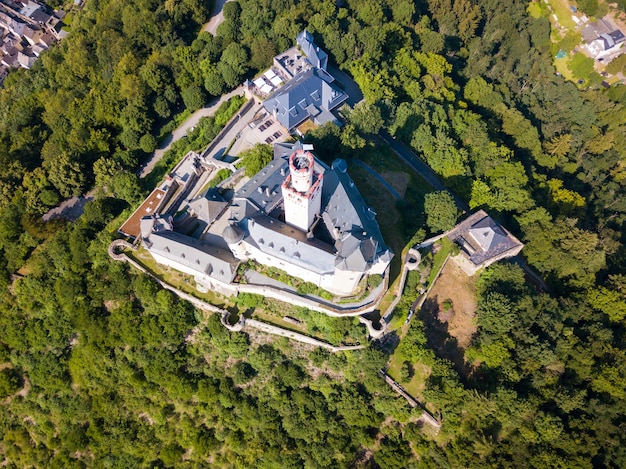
[439, 258]
[416, 385]
[563, 13]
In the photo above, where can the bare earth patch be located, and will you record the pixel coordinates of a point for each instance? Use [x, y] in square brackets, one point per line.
[398, 180]
[111, 305]
[459, 289]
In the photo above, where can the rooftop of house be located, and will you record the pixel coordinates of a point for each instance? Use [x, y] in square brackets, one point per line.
[149, 206]
[292, 61]
[483, 238]
[612, 39]
[289, 244]
[316, 56]
[208, 205]
[311, 94]
[347, 217]
[263, 189]
[187, 168]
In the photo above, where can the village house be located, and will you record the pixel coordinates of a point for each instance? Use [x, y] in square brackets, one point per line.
[26, 30]
[483, 241]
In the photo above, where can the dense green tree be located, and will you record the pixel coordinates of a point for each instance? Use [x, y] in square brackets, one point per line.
[366, 118]
[561, 248]
[9, 382]
[256, 158]
[441, 211]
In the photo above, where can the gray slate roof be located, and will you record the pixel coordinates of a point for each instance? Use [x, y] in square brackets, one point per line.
[348, 218]
[487, 233]
[308, 95]
[214, 262]
[263, 190]
[315, 55]
[289, 244]
[284, 149]
[484, 235]
[349, 221]
[612, 38]
[208, 205]
[155, 223]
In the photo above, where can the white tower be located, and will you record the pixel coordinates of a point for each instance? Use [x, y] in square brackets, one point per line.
[302, 190]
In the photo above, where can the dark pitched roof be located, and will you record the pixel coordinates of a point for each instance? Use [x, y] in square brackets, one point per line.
[232, 234]
[349, 220]
[315, 55]
[305, 96]
[263, 190]
[40, 16]
[483, 237]
[487, 233]
[210, 260]
[284, 149]
[617, 36]
[352, 236]
[209, 205]
[611, 39]
[289, 244]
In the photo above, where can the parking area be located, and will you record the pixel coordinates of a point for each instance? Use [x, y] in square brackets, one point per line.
[264, 128]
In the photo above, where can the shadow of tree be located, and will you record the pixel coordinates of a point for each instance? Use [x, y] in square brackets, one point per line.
[439, 339]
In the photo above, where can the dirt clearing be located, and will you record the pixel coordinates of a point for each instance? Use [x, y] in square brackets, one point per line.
[453, 302]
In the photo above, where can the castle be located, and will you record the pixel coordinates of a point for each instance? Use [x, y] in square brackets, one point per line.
[297, 214]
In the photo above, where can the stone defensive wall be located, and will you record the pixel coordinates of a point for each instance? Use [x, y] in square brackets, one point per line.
[120, 244]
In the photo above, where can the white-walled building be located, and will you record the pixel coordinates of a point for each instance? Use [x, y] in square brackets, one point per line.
[302, 190]
[297, 214]
[308, 219]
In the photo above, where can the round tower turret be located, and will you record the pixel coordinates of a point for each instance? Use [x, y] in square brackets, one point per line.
[232, 234]
[301, 169]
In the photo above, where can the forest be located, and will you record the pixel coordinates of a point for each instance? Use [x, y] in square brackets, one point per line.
[101, 368]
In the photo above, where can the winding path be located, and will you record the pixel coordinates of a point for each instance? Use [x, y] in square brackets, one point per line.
[186, 126]
[217, 17]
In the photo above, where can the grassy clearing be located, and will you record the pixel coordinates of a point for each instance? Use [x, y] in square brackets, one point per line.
[563, 13]
[415, 387]
[439, 258]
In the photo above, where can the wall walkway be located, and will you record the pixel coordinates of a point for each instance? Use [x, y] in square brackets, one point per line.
[426, 416]
[114, 252]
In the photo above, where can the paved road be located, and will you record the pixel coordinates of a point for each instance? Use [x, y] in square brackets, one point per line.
[183, 128]
[70, 209]
[217, 17]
